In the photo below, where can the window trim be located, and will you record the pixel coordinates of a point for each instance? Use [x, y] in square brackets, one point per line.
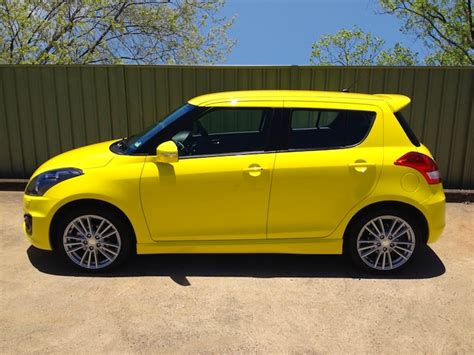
[255, 152]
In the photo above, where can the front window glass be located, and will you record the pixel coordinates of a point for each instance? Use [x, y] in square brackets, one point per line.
[133, 143]
[223, 131]
[220, 121]
[326, 129]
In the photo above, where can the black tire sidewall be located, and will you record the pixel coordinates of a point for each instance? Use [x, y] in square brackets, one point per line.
[350, 239]
[122, 227]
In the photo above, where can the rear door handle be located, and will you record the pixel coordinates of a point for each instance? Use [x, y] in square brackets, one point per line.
[254, 170]
[361, 166]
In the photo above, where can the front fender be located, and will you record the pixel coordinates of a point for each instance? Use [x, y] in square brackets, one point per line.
[118, 184]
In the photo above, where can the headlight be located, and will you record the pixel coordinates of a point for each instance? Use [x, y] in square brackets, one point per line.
[44, 181]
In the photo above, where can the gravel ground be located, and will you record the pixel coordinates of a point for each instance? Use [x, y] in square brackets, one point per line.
[237, 303]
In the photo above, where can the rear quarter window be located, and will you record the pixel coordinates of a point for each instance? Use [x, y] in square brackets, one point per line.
[407, 129]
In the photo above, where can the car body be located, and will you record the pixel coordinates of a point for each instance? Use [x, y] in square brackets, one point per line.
[246, 172]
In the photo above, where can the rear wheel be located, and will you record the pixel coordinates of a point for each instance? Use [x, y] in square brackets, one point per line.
[93, 239]
[383, 241]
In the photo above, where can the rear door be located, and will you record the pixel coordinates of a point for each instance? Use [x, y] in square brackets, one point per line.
[330, 160]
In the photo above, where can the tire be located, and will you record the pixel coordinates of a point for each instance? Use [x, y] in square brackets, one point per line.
[93, 239]
[383, 241]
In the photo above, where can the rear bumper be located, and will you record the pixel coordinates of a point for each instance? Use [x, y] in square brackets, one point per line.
[435, 210]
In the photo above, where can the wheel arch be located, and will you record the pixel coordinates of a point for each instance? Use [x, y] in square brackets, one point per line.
[63, 210]
[407, 208]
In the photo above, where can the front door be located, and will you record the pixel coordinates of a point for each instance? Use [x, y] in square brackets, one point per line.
[219, 189]
[331, 161]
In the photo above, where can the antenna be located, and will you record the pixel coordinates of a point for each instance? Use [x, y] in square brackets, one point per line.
[351, 86]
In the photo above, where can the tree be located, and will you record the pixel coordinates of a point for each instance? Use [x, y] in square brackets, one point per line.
[356, 47]
[444, 26]
[113, 31]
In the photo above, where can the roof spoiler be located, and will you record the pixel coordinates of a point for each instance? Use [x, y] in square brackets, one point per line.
[394, 101]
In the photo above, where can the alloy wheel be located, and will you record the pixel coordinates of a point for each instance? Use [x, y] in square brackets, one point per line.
[386, 242]
[92, 241]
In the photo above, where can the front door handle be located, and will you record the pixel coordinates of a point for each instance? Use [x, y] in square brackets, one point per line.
[254, 170]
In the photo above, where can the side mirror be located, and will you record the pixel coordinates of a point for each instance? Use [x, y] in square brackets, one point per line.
[167, 152]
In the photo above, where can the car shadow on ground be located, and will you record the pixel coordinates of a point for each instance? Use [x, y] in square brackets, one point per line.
[180, 266]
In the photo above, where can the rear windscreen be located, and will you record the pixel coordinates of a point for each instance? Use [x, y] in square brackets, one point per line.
[408, 131]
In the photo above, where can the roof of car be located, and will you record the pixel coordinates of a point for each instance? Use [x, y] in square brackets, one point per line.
[396, 102]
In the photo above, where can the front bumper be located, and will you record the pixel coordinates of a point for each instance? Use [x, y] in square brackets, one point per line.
[40, 211]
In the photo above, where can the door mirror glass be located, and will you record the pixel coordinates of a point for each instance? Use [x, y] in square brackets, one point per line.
[167, 152]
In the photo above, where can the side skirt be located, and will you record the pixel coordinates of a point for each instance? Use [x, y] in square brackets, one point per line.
[280, 246]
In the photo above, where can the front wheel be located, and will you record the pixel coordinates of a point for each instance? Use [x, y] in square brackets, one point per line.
[383, 241]
[93, 239]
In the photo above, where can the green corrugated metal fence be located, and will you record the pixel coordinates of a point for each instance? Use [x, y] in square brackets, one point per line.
[45, 110]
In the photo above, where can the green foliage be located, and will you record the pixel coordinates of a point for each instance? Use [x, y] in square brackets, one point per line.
[113, 31]
[444, 26]
[398, 55]
[356, 47]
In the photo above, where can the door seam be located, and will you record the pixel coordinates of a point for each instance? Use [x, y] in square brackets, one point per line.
[270, 195]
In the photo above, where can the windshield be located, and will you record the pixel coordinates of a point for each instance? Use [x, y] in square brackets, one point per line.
[134, 142]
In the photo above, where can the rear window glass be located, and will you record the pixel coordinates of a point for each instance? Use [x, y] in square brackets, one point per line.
[325, 129]
[408, 131]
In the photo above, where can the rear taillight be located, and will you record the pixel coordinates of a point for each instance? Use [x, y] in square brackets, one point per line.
[423, 163]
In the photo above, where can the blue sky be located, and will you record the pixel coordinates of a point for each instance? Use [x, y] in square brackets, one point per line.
[282, 31]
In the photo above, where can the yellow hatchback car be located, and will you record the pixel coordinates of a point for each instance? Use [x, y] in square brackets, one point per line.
[303, 172]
